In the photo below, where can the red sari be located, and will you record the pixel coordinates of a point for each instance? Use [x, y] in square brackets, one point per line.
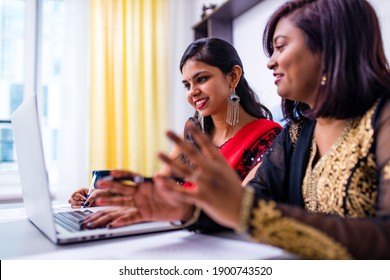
[246, 148]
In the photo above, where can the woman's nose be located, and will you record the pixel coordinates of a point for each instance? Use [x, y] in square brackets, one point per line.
[195, 92]
[271, 63]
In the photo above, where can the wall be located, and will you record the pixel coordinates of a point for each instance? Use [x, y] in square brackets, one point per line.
[382, 8]
[247, 38]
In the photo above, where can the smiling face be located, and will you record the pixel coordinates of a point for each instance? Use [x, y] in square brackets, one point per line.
[207, 87]
[296, 69]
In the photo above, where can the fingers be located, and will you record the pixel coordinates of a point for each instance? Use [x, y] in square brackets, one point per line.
[99, 219]
[117, 187]
[122, 173]
[191, 173]
[76, 203]
[203, 160]
[187, 148]
[114, 217]
[78, 198]
[177, 167]
[204, 141]
[97, 193]
[127, 201]
[130, 217]
[177, 192]
[207, 147]
[94, 195]
[191, 152]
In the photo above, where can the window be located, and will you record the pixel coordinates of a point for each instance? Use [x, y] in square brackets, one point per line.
[12, 30]
[40, 48]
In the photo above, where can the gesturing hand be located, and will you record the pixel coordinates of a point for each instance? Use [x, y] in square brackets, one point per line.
[218, 190]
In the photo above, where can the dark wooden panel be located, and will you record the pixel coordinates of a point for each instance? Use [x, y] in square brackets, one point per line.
[219, 23]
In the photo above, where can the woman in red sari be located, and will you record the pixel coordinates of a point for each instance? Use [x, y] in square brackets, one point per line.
[226, 108]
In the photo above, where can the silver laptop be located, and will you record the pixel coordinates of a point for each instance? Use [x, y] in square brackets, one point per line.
[35, 186]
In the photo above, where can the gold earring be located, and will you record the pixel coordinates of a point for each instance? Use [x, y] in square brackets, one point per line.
[323, 80]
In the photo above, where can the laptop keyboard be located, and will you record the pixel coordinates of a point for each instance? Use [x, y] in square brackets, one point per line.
[71, 220]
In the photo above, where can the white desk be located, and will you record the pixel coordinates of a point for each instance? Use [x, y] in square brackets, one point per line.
[20, 239]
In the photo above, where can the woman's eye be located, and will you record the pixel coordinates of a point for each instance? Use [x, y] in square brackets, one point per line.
[202, 79]
[279, 47]
[186, 86]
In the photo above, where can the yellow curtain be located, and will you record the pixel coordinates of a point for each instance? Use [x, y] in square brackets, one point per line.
[129, 84]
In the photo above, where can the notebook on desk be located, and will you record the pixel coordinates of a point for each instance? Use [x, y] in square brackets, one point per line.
[36, 191]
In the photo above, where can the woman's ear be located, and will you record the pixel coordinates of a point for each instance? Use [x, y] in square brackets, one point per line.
[235, 76]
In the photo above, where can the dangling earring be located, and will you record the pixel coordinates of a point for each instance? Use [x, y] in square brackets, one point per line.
[323, 80]
[201, 121]
[233, 109]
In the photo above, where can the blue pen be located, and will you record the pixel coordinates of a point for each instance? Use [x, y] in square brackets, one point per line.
[91, 187]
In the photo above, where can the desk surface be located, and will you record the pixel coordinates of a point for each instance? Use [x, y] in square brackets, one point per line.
[20, 239]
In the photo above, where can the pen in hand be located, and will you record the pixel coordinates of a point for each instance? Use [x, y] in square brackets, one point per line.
[138, 179]
[91, 187]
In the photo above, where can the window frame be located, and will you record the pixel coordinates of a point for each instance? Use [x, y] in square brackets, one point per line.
[10, 179]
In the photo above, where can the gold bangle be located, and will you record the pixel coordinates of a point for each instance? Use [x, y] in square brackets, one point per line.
[193, 220]
[245, 209]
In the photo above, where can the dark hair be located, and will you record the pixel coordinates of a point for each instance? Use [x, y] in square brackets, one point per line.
[219, 53]
[347, 34]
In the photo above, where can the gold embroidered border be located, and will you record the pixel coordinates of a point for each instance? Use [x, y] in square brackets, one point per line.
[294, 132]
[272, 228]
[245, 209]
[386, 171]
[343, 181]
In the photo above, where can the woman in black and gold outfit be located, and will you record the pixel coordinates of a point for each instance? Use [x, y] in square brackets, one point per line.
[323, 189]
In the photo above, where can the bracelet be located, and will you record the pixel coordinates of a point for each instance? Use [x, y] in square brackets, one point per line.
[245, 209]
[193, 220]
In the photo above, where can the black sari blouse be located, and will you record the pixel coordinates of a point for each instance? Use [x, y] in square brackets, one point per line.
[337, 208]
